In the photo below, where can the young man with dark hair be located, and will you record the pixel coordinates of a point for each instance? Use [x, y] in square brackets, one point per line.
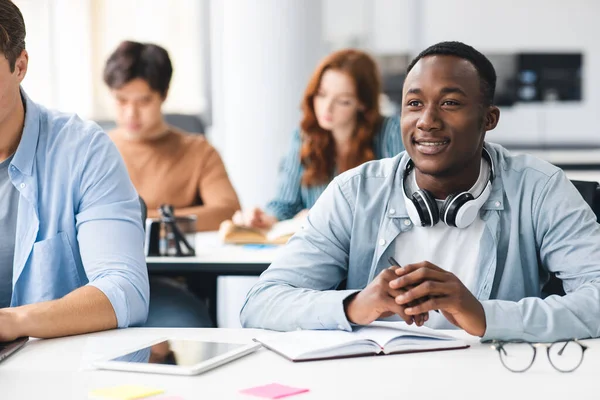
[132, 60]
[475, 230]
[71, 237]
[166, 165]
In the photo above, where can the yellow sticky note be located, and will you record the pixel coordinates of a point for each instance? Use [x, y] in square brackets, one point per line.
[125, 392]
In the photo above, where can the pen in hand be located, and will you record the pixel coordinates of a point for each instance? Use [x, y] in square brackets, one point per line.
[395, 263]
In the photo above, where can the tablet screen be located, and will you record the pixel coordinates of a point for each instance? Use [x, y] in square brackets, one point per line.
[178, 352]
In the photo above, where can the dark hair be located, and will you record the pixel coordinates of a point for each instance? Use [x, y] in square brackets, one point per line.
[133, 60]
[12, 32]
[485, 69]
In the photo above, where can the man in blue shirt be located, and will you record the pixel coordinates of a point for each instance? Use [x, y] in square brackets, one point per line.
[453, 224]
[71, 259]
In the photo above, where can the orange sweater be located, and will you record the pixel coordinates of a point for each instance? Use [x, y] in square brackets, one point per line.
[183, 170]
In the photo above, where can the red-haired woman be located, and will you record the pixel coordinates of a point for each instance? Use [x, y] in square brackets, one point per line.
[341, 128]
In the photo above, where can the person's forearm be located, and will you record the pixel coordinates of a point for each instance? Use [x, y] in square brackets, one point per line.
[84, 310]
[208, 217]
[576, 315]
[294, 308]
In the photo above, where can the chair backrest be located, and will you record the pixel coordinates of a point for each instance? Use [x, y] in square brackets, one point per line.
[590, 191]
[144, 212]
[185, 122]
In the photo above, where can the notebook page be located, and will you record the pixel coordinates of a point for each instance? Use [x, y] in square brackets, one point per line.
[284, 228]
[307, 343]
[383, 332]
[412, 343]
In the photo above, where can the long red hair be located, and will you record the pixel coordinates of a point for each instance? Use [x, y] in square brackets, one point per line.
[318, 146]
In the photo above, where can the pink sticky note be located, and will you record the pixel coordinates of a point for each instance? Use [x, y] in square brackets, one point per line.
[273, 391]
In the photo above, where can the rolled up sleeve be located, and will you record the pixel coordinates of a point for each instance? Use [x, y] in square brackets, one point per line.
[110, 233]
[568, 237]
[298, 289]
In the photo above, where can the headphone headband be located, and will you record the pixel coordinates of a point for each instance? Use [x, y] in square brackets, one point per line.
[459, 209]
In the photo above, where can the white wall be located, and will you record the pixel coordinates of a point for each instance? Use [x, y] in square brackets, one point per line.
[38, 82]
[175, 25]
[69, 41]
[507, 26]
[534, 25]
[262, 56]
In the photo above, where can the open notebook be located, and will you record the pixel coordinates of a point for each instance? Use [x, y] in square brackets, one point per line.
[377, 338]
[280, 233]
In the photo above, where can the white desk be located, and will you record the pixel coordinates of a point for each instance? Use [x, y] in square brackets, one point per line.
[578, 164]
[565, 157]
[56, 370]
[218, 258]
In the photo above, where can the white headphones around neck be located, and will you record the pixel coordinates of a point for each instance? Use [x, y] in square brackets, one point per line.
[459, 209]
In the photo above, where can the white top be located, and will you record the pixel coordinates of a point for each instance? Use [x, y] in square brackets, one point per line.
[453, 249]
[55, 370]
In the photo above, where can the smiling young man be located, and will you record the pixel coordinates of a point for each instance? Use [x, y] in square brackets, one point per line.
[71, 235]
[477, 231]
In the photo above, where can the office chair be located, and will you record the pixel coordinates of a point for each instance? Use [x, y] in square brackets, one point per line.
[188, 123]
[144, 211]
[590, 191]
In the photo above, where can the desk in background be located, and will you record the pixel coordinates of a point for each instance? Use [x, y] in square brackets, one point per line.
[578, 164]
[56, 370]
[214, 259]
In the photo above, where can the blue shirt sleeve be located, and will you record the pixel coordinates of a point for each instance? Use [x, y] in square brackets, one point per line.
[567, 233]
[288, 200]
[298, 289]
[110, 233]
[391, 137]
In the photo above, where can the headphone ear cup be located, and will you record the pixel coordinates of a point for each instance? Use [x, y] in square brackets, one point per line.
[426, 207]
[451, 206]
[444, 207]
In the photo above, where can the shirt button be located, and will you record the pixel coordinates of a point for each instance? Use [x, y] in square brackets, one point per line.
[392, 211]
[406, 222]
[13, 167]
[382, 242]
[497, 204]
[22, 185]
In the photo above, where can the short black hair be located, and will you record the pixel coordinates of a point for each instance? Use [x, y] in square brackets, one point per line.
[12, 32]
[132, 60]
[484, 67]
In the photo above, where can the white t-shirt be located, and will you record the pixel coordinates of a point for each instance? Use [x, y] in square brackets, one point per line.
[453, 249]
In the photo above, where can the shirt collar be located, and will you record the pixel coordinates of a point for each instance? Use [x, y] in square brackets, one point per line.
[396, 206]
[25, 154]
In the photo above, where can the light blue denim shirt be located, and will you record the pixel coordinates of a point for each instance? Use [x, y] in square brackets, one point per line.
[79, 219]
[535, 222]
[293, 197]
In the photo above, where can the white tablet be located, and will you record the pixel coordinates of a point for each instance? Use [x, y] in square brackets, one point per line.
[177, 356]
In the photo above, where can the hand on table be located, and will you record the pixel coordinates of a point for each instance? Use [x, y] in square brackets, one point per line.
[253, 218]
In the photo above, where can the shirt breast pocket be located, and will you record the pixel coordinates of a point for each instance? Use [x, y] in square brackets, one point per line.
[52, 272]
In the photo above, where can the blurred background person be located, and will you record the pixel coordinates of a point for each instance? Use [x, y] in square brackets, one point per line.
[341, 128]
[166, 165]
